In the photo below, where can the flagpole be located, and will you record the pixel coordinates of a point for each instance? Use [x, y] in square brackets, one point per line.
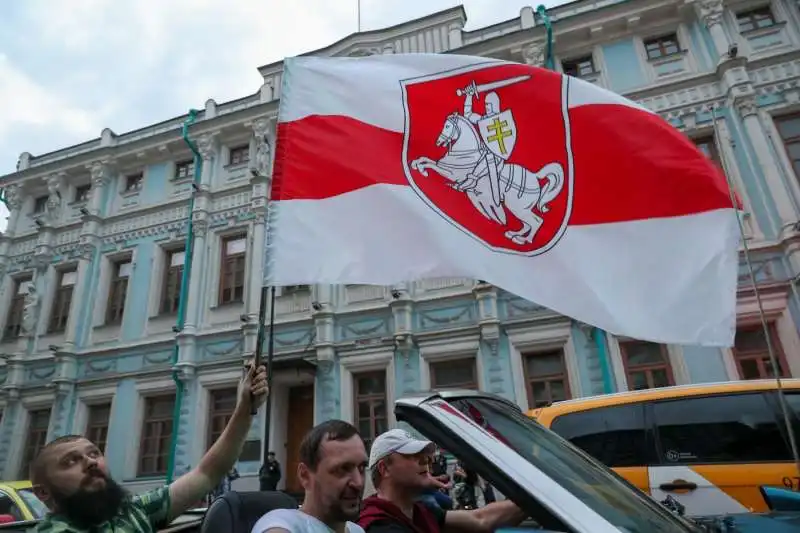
[358, 12]
[773, 359]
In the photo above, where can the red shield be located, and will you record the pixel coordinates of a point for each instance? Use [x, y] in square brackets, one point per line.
[518, 125]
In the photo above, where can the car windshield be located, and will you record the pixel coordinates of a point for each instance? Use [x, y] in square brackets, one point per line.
[37, 508]
[604, 492]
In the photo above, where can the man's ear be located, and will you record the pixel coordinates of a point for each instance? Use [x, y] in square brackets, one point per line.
[304, 475]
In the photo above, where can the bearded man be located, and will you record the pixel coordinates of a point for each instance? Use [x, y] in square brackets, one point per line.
[71, 477]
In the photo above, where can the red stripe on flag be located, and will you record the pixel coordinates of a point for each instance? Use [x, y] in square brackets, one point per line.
[324, 156]
[629, 164]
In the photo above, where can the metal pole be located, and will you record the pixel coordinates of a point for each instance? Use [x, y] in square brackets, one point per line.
[358, 9]
[262, 318]
[270, 356]
[773, 359]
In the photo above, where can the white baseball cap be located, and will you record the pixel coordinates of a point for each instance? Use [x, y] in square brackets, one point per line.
[396, 441]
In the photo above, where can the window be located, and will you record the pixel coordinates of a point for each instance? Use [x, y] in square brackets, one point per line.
[118, 291]
[755, 19]
[156, 435]
[40, 204]
[580, 67]
[752, 355]
[546, 377]
[184, 169]
[232, 270]
[615, 436]
[370, 405]
[222, 402]
[62, 301]
[133, 182]
[709, 148]
[789, 130]
[239, 155]
[294, 289]
[600, 489]
[734, 428]
[37, 437]
[173, 274]
[646, 365]
[13, 327]
[82, 193]
[660, 47]
[97, 425]
[454, 374]
[9, 507]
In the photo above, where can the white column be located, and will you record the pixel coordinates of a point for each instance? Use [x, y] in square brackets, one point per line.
[207, 146]
[748, 110]
[710, 13]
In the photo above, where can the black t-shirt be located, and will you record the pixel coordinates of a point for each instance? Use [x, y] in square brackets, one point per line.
[390, 526]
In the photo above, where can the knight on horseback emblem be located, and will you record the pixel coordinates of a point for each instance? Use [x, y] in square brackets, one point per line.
[477, 162]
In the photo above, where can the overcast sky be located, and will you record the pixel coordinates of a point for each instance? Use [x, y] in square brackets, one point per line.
[70, 68]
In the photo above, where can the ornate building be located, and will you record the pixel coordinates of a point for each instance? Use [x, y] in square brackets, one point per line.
[94, 252]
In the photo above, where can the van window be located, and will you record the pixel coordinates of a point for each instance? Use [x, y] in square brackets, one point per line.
[737, 428]
[615, 436]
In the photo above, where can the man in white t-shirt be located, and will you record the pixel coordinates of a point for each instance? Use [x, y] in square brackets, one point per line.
[333, 460]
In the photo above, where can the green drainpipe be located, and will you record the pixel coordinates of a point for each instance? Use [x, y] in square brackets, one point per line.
[187, 272]
[549, 62]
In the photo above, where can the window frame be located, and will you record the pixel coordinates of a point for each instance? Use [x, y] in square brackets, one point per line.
[212, 434]
[40, 204]
[62, 302]
[628, 369]
[163, 420]
[169, 297]
[786, 142]
[133, 183]
[547, 379]
[576, 62]
[774, 337]
[751, 16]
[115, 309]
[227, 274]
[99, 438]
[238, 149]
[662, 47]
[189, 165]
[432, 366]
[82, 193]
[16, 309]
[372, 399]
[31, 446]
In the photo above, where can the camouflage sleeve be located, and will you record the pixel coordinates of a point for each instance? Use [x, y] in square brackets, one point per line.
[156, 505]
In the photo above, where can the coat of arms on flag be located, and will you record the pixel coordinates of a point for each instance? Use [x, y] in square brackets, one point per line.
[476, 141]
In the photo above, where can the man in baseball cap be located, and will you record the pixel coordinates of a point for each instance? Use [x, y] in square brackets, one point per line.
[399, 466]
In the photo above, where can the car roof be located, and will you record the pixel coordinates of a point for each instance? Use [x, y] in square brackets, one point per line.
[16, 485]
[416, 399]
[546, 414]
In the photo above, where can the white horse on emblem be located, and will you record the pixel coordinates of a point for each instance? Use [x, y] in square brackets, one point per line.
[466, 164]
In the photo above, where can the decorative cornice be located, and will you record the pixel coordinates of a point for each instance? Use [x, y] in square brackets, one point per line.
[710, 11]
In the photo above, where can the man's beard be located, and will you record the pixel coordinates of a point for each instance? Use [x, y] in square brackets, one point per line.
[86, 508]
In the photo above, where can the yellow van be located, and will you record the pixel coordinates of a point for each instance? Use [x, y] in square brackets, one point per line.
[709, 446]
[18, 503]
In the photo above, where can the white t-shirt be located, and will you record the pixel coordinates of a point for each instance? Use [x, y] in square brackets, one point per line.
[296, 521]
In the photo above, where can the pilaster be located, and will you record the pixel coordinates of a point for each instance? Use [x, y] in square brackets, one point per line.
[327, 389]
[402, 307]
[710, 13]
[488, 320]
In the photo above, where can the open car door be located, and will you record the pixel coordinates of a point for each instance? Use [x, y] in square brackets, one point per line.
[561, 487]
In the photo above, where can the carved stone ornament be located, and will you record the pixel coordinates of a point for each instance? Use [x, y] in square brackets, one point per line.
[199, 227]
[710, 11]
[87, 250]
[100, 173]
[261, 165]
[30, 311]
[206, 145]
[13, 195]
[747, 106]
[533, 54]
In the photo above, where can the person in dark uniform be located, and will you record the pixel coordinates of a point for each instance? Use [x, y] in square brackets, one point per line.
[270, 473]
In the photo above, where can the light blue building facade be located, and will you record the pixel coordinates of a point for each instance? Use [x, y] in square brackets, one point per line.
[94, 250]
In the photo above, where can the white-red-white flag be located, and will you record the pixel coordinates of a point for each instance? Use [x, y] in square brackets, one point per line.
[403, 167]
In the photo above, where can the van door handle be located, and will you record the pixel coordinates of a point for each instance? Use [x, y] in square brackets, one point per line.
[678, 484]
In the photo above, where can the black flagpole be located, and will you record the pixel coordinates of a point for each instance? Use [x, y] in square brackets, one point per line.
[262, 312]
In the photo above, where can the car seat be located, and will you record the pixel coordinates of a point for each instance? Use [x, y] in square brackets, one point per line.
[238, 512]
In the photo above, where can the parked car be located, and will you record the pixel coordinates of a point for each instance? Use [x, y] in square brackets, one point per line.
[709, 447]
[18, 503]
